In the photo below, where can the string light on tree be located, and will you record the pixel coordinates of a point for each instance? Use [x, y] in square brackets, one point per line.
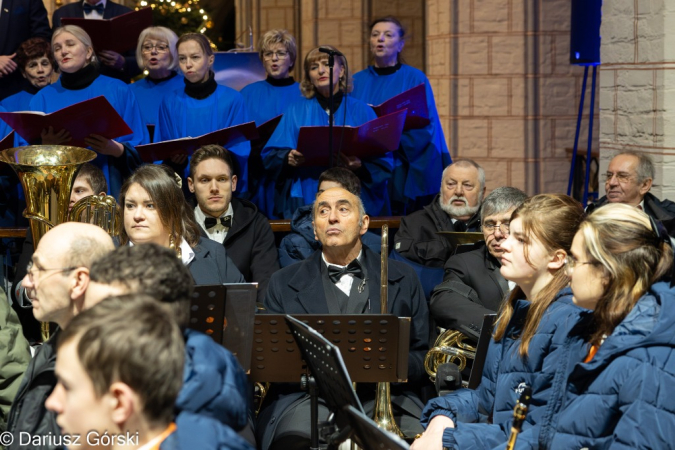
[180, 16]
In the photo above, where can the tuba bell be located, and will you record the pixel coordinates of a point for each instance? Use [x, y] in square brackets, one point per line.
[450, 346]
[47, 174]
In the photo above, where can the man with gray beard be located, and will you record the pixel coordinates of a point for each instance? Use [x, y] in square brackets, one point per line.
[455, 208]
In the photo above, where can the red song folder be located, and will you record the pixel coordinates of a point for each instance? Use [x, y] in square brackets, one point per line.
[414, 100]
[266, 130]
[93, 116]
[373, 138]
[227, 136]
[7, 141]
[118, 34]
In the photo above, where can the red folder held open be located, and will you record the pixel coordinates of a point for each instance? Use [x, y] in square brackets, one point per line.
[118, 34]
[227, 136]
[414, 100]
[373, 138]
[93, 116]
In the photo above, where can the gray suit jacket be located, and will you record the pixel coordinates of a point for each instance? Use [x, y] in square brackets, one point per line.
[212, 266]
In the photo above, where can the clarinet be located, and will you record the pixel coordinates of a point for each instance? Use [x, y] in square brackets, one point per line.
[519, 414]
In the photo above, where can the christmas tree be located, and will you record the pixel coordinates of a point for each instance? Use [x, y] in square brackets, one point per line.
[179, 16]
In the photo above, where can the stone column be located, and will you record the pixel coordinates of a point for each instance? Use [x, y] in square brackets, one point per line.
[637, 77]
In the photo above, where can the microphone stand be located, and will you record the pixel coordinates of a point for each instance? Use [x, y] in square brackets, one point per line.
[331, 63]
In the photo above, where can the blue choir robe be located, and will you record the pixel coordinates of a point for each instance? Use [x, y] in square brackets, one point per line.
[12, 201]
[297, 186]
[149, 96]
[55, 97]
[425, 153]
[264, 102]
[182, 116]
[17, 102]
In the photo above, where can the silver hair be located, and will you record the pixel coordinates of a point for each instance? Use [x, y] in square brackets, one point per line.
[501, 200]
[466, 162]
[645, 167]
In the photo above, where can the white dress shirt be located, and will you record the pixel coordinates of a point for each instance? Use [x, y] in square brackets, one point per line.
[346, 280]
[219, 232]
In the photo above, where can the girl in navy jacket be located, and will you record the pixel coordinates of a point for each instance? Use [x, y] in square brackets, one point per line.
[621, 395]
[531, 344]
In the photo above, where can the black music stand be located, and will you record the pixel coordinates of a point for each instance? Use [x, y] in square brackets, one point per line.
[226, 313]
[368, 435]
[373, 347]
[481, 350]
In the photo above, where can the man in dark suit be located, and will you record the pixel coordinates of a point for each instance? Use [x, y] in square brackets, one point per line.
[20, 20]
[343, 278]
[455, 208]
[233, 222]
[122, 67]
[472, 285]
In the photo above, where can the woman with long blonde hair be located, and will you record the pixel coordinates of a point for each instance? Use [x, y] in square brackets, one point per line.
[530, 340]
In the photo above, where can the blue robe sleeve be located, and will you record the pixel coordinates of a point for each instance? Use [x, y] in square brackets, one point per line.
[241, 151]
[283, 140]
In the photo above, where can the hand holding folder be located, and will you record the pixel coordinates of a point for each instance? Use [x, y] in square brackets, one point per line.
[118, 34]
[414, 100]
[81, 120]
[186, 146]
[374, 138]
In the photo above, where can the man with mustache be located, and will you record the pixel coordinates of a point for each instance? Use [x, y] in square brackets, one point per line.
[628, 180]
[472, 285]
[455, 208]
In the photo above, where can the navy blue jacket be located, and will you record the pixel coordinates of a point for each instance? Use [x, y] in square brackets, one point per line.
[214, 384]
[300, 243]
[623, 397]
[194, 431]
[211, 264]
[505, 374]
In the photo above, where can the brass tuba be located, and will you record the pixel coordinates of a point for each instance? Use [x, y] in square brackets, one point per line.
[383, 412]
[449, 347]
[47, 174]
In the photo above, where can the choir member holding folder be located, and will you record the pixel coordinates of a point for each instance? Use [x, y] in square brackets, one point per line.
[36, 63]
[156, 54]
[80, 80]
[202, 106]
[296, 183]
[268, 99]
[423, 153]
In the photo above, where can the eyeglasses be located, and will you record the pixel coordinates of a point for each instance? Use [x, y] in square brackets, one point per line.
[621, 177]
[492, 227]
[571, 263]
[280, 54]
[159, 48]
[32, 267]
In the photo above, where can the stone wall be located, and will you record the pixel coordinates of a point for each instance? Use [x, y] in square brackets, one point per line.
[506, 93]
[637, 97]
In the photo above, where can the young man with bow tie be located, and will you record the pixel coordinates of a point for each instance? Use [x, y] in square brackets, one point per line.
[236, 223]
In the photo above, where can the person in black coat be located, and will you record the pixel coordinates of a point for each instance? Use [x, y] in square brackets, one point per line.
[122, 67]
[455, 208]
[20, 20]
[237, 224]
[343, 278]
[472, 285]
[156, 211]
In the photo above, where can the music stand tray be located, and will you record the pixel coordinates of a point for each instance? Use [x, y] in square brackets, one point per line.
[226, 313]
[369, 435]
[458, 238]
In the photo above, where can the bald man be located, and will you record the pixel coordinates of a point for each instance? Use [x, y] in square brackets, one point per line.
[343, 277]
[55, 282]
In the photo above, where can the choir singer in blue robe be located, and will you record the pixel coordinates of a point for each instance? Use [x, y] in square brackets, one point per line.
[80, 80]
[296, 184]
[202, 106]
[156, 55]
[267, 99]
[423, 153]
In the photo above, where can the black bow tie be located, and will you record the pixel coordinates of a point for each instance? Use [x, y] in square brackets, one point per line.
[89, 8]
[335, 273]
[210, 222]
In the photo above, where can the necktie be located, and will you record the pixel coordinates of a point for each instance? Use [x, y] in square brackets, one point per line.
[89, 8]
[210, 222]
[335, 273]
